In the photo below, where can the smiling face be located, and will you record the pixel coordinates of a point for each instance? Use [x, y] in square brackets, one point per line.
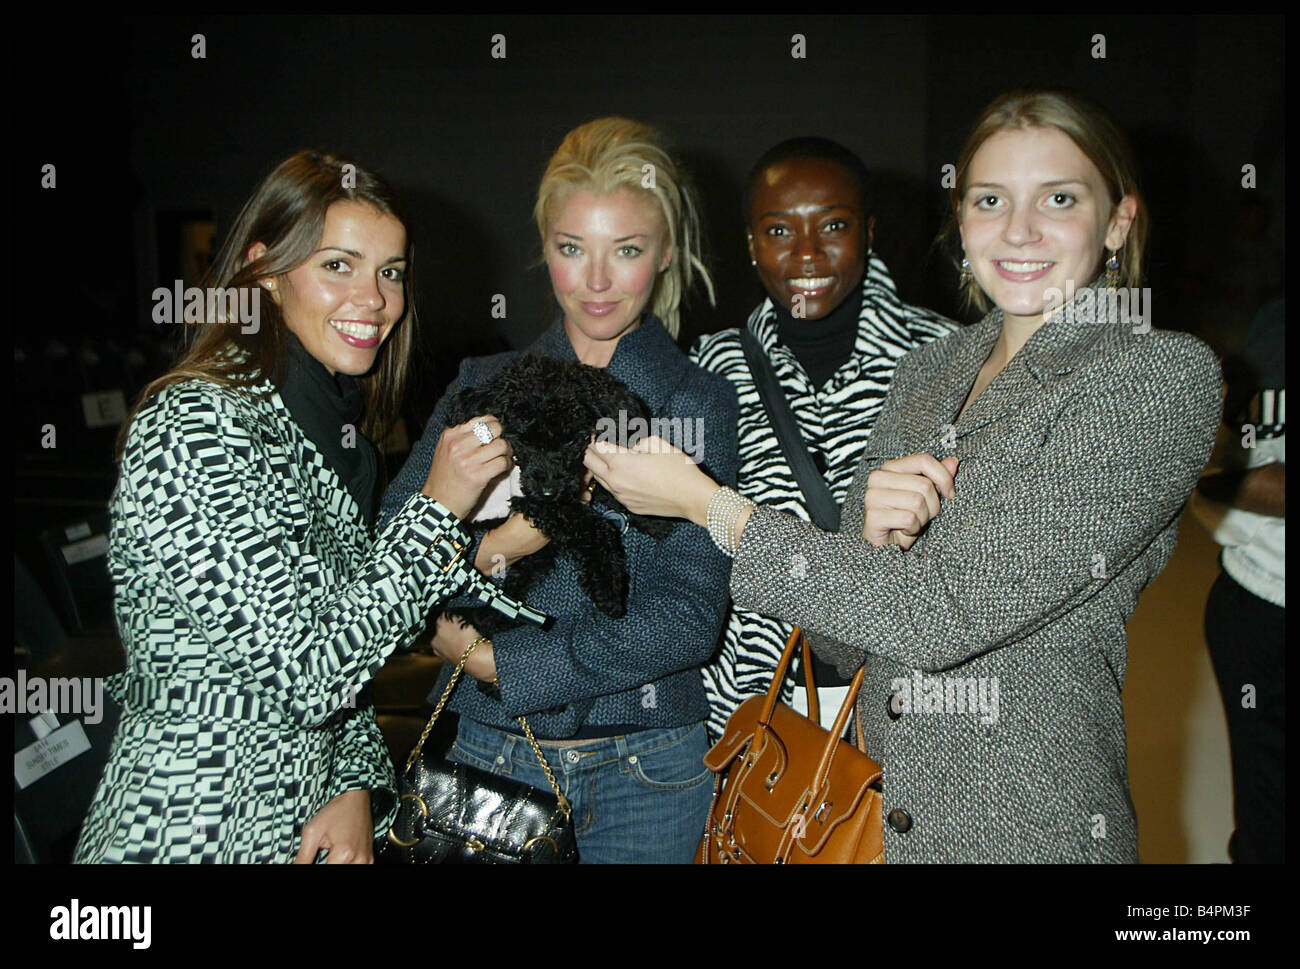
[343, 302]
[807, 234]
[604, 253]
[1035, 216]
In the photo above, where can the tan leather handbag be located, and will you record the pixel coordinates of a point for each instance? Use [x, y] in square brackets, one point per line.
[788, 791]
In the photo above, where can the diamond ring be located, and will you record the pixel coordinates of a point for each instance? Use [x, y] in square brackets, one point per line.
[482, 432]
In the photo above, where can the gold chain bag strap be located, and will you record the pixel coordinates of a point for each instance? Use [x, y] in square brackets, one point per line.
[788, 791]
[451, 813]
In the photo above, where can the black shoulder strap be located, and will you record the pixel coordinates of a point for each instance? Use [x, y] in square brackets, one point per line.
[822, 507]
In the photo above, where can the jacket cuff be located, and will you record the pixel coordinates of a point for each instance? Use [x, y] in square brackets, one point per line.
[378, 782]
[444, 546]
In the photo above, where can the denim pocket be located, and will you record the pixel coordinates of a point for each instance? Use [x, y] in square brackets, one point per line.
[677, 766]
[463, 753]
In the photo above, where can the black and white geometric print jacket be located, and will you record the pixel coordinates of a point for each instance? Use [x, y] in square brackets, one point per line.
[254, 608]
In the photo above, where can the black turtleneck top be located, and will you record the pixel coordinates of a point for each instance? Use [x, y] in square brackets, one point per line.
[322, 406]
[822, 346]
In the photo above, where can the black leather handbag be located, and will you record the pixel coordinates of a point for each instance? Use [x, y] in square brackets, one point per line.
[449, 813]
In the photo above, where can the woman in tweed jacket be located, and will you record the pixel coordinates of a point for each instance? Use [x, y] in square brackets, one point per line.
[1023, 484]
[252, 598]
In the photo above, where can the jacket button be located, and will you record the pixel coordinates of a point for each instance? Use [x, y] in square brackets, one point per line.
[894, 706]
[900, 820]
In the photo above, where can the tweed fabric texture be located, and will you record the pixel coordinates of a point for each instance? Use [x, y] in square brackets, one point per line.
[254, 607]
[590, 669]
[835, 419]
[1076, 463]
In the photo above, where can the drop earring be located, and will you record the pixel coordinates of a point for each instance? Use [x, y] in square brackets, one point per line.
[966, 274]
[1112, 271]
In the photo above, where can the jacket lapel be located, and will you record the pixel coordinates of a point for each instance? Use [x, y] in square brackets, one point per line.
[317, 478]
[929, 423]
[647, 361]
[1065, 339]
[1054, 350]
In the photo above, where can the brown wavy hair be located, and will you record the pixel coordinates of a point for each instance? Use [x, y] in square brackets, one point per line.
[1095, 132]
[286, 213]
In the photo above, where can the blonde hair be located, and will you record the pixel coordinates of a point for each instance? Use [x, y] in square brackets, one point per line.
[607, 154]
[1095, 133]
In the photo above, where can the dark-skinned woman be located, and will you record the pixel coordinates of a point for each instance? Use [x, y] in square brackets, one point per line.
[831, 330]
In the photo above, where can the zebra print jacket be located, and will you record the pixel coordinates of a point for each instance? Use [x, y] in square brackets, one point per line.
[836, 419]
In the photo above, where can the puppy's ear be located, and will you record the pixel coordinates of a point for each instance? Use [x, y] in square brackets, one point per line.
[633, 403]
[654, 527]
[470, 402]
[615, 397]
[591, 391]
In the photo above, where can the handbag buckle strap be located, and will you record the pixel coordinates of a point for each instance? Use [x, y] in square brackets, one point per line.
[565, 807]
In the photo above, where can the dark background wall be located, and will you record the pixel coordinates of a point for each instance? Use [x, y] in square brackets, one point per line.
[138, 129]
[144, 135]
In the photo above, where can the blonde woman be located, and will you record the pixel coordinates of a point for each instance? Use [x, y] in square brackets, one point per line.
[618, 704]
[1022, 485]
[254, 600]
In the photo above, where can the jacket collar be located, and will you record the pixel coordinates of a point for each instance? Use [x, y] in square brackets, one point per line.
[1053, 351]
[1060, 344]
[313, 471]
[878, 290]
[647, 360]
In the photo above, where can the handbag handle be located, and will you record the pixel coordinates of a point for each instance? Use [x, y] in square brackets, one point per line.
[841, 720]
[778, 679]
[528, 732]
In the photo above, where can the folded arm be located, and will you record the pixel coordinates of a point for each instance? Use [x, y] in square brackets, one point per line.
[1117, 469]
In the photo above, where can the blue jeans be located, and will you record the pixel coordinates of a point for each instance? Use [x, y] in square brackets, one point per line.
[637, 798]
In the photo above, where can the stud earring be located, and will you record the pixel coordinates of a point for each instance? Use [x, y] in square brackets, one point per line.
[1112, 271]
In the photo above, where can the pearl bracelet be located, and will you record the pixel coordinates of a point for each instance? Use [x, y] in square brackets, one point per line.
[724, 511]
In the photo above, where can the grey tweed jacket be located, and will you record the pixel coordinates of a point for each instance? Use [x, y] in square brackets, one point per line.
[995, 647]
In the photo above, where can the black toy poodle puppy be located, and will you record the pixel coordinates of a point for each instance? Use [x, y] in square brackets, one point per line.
[549, 411]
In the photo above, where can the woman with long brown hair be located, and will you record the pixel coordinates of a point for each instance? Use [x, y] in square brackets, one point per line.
[253, 599]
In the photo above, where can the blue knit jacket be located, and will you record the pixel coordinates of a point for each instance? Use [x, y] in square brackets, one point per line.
[589, 669]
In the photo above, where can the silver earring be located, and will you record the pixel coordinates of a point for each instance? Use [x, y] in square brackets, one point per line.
[966, 274]
[1112, 271]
